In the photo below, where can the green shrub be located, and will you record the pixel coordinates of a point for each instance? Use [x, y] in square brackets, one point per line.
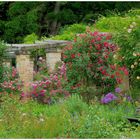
[70, 31]
[104, 122]
[75, 105]
[30, 39]
[133, 12]
[129, 52]
[116, 22]
[2, 58]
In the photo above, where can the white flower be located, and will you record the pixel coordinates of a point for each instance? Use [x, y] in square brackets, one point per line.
[114, 56]
[41, 120]
[40, 58]
[131, 26]
[129, 30]
[23, 114]
[118, 48]
[134, 23]
[138, 77]
[136, 63]
[134, 54]
[132, 66]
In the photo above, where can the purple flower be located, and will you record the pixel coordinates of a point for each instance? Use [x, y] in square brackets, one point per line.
[118, 90]
[108, 98]
[129, 98]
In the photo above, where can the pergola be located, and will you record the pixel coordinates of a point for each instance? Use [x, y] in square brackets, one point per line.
[25, 64]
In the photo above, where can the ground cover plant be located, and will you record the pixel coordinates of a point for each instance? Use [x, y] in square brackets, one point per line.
[70, 118]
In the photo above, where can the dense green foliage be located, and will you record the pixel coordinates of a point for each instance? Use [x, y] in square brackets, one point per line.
[30, 39]
[69, 32]
[115, 22]
[2, 59]
[129, 41]
[18, 19]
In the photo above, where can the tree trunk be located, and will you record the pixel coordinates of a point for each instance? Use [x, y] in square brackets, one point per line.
[55, 22]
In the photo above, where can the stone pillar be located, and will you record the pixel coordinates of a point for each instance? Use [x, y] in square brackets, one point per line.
[25, 70]
[52, 58]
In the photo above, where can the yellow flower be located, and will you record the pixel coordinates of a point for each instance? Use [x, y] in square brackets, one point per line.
[134, 54]
[129, 30]
[138, 77]
[114, 56]
[132, 66]
[136, 63]
[134, 23]
[118, 48]
[131, 26]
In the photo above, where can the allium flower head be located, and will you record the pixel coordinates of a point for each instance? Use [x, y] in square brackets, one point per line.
[108, 98]
[118, 90]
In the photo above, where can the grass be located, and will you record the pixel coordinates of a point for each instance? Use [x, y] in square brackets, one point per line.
[70, 118]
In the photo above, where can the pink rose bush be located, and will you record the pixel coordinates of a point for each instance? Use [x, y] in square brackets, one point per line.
[12, 84]
[51, 88]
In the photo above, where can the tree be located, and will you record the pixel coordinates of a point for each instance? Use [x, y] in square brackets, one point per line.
[18, 19]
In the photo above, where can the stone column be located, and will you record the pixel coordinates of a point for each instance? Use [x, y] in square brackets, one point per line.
[52, 58]
[25, 70]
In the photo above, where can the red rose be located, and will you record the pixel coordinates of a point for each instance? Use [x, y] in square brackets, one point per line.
[79, 54]
[72, 55]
